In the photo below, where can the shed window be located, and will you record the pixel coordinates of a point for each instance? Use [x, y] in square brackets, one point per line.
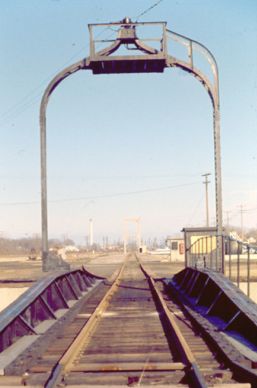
[174, 246]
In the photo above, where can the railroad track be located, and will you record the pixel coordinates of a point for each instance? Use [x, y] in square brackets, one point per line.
[126, 334]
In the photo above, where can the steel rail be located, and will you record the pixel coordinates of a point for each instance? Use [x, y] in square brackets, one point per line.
[188, 362]
[78, 363]
[196, 378]
[65, 363]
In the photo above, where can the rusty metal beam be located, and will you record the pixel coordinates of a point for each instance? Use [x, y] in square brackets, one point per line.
[188, 358]
[43, 148]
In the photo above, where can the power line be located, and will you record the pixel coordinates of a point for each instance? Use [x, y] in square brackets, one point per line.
[33, 95]
[30, 99]
[227, 218]
[206, 182]
[242, 210]
[112, 195]
[18, 108]
[148, 9]
[195, 210]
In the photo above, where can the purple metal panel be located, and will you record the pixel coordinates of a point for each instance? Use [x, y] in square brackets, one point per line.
[40, 303]
[220, 301]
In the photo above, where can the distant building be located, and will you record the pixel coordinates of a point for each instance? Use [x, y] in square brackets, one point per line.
[177, 248]
[160, 251]
[71, 248]
[142, 249]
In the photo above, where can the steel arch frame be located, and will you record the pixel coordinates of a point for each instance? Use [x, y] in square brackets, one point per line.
[213, 91]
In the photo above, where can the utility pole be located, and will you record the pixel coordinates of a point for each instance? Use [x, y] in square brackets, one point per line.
[91, 233]
[206, 182]
[227, 218]
[136, 220]
[242, 210]
[139, 242]
[125, 238]
[87, 241]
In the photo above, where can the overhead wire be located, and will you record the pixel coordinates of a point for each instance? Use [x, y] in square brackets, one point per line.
[30, 99]
[148, 10]
[34, 95]
[41, 83]
[111, 195]
[195, 210]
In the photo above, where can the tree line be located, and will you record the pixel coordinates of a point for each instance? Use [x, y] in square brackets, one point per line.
[25, 245]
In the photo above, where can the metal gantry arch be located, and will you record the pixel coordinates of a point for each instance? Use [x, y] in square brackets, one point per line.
[137, 222]
[151, 59]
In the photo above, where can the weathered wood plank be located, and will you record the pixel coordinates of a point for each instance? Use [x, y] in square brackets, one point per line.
[124, 367]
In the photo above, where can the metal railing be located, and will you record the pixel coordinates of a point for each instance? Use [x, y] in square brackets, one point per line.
[238, 259]
[127, 32]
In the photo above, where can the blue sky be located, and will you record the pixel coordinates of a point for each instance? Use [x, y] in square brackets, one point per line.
[124, 145]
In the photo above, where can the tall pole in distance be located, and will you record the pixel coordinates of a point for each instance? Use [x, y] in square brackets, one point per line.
[138, 234]
[91, 233]
[242, 224]
[206, 182]
[227, 220]
[125, 237]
